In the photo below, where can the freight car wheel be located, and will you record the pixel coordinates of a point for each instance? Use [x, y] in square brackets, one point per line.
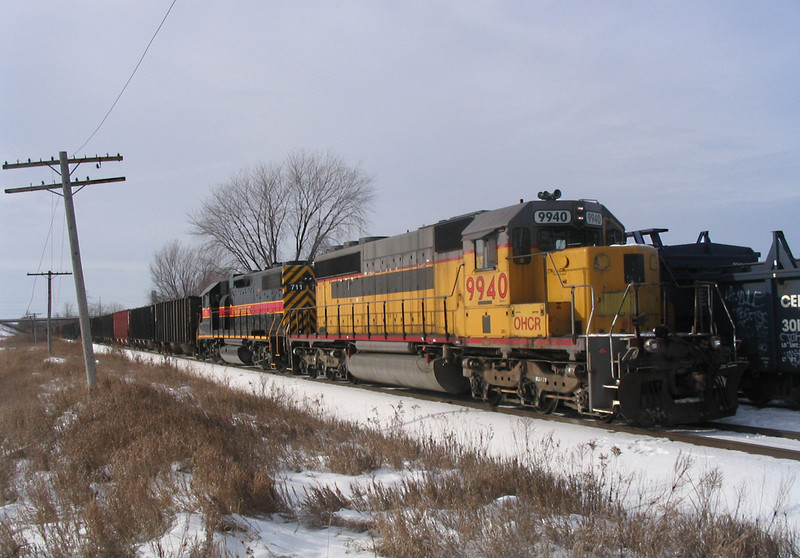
[756, 392]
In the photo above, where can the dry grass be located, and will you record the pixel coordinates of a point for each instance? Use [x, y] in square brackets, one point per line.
[101, 474]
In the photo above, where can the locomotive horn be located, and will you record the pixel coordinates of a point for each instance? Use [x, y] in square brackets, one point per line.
[547, 196]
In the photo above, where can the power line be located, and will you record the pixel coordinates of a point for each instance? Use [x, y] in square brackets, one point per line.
[47, 241]
[129, 79]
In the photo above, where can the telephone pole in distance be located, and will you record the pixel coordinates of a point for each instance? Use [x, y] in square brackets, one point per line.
[49, 276]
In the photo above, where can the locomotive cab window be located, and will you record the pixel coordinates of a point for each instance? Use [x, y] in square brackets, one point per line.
[615, 235]
[521, 245]
[241, 282]
[486, 252]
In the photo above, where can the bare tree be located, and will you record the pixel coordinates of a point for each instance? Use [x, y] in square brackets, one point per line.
[245, 216]
[328, 200]
[101, 308]
[298, 204]
[68, 310]
[178, 270]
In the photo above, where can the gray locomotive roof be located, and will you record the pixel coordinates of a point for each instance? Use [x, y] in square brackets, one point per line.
[489, 221]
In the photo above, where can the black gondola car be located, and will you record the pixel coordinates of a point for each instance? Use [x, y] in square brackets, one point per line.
[142, 327]
[175, 323]
[69, 329]
[102, 328]
[762, 299]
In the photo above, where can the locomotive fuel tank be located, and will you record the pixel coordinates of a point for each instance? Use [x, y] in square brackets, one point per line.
[236, 354]
[411, 371]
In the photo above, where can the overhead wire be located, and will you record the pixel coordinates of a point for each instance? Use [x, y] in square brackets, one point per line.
[100, 125]
[44, 251]
[129, 79]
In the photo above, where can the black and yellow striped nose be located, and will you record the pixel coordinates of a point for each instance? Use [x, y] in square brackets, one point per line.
[299, 298]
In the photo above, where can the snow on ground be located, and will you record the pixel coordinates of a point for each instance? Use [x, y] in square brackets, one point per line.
[762, 482]
[275, 536]
[755, 486]
[261, 538]
[770, 417]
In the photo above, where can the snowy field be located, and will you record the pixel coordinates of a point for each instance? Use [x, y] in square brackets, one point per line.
[752, 486]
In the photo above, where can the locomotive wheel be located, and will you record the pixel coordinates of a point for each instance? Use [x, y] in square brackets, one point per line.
[493, 396]
[321, 369]
[302, 367]
[330, 373]
[266, 364]
[609, 418]
[546, 405]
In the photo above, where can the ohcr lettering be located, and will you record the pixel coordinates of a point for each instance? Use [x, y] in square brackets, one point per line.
[529, 323]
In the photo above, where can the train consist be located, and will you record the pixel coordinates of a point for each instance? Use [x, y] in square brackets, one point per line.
[761, 297]
[540, 304]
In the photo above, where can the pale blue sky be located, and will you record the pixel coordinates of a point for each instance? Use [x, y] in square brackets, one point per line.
[683, 115]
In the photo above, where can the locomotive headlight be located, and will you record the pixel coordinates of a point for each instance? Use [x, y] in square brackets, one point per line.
[715, 343]
[652, 345]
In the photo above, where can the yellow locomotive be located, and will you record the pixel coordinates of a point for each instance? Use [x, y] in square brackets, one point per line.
[539, 303]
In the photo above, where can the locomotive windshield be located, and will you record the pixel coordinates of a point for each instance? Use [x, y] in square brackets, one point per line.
[550, 239]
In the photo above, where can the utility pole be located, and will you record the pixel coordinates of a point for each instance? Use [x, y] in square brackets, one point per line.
[50, 275]
[77, 269]
[32, 316]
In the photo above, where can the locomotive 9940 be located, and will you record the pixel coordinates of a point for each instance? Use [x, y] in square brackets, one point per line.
[539, 303]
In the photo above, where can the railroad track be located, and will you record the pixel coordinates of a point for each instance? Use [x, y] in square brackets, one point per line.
[755, 430]
[698, 435]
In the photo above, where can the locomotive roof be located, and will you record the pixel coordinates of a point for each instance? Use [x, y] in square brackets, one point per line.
[521, 214]
[492, 220]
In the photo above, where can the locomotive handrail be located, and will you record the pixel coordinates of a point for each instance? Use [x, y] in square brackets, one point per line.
[455, 282]
[715, 286]
[572, 297]
[712, 329]
[616, 371]
[730, 319]
[353, 328]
